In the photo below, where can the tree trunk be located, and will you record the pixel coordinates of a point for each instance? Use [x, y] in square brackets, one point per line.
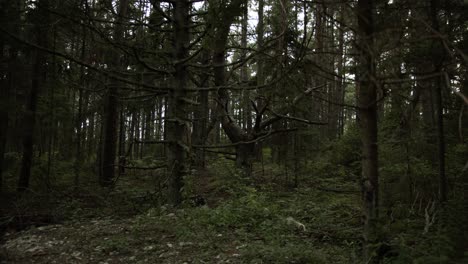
[148, 128]
[132, 133]
[244, 157]
[260, 62]
[367, 119]
[79, 118]
[340, 79]
[427, 104]
[4, 94]
[244, 75]
[437, 60]
[233, 131]
[10, 18]
[278, 141]
[38, 60]
[4, 104]
[111, 108]
[160, 119]
[200, 124]
[122, 153]
[178, 126]
[91, 137]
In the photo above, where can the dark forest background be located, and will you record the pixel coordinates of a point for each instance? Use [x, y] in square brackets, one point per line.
[321, 131]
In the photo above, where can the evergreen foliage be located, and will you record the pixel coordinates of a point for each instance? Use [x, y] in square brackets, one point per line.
[234, 130]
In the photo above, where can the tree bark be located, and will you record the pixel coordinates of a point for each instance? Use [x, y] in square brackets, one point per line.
[233, 131]
[340, 79]
[122, 152]
[111, 109]
[178, 126]
[7, 13]
[279, 141]
[260, 65]
[38, 61]
[79, 117]
[437, 60]
[4, 107]
[367, 119]
[247, 110]
[200, 123]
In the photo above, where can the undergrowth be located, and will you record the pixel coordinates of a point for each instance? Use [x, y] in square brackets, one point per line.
[245, 220]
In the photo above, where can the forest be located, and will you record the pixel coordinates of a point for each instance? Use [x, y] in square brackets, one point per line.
[233, 131]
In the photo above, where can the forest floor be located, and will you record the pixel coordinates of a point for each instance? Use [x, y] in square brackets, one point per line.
[262, 222]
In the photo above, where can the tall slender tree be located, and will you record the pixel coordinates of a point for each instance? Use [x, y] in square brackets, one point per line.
[438, 54]
[178, 124]
[38, 61]
[367, 120]
[110, 124]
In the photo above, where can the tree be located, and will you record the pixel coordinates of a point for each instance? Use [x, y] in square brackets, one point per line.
[438, 54]
[234, 132]
[8, 12]
[178, 124]
[38, 60]
[367, 119]
[110, 124]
